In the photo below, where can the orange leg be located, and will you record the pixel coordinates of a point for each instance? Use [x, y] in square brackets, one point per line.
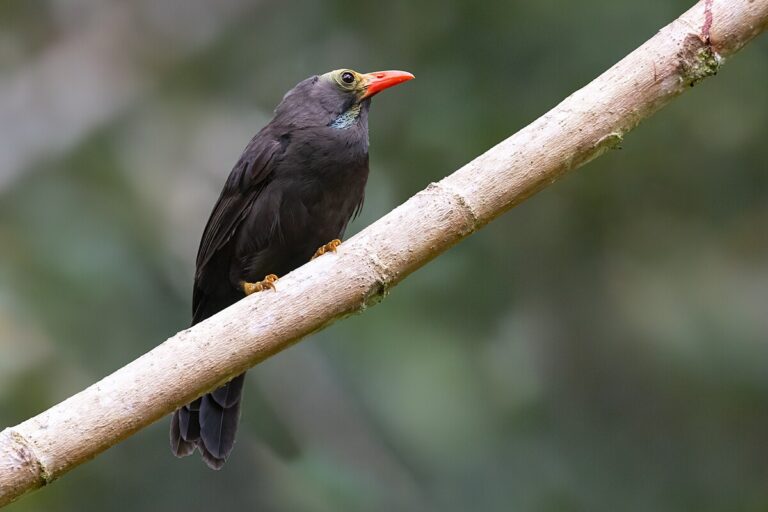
[330, 246]
[267, 283]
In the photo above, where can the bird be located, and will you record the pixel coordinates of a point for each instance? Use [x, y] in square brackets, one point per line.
[288, 199]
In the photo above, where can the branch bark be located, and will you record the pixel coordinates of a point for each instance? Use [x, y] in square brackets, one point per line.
[589, 122]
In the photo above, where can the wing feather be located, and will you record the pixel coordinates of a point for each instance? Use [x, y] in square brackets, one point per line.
[245, 182]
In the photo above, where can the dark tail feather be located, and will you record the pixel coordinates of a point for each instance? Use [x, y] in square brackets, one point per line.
[185, 429]
[209, 423]
[179, 446]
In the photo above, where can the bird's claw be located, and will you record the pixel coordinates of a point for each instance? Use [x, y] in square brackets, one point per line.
[267, 283]
[330, 246]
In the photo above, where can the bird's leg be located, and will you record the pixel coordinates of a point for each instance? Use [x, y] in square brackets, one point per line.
[267, 283]
[330, 246]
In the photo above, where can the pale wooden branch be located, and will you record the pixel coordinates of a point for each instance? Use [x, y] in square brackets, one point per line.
[196, 360]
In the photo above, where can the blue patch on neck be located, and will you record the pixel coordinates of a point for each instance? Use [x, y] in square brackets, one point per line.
[346, 119]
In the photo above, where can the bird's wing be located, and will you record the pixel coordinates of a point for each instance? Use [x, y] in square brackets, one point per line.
[244, 184]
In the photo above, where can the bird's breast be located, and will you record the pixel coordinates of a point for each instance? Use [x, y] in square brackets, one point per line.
[327, 154]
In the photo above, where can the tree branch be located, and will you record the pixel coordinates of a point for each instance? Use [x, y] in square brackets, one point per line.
[196, 360]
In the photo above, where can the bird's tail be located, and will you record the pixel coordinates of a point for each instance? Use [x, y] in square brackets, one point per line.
[209, 423]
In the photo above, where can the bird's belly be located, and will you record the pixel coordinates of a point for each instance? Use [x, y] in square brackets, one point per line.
[314, 218]
[283, 235]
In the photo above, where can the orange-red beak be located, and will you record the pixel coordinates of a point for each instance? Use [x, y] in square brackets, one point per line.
[380, 80]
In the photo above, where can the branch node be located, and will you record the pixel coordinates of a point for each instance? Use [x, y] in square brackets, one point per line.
[612, 140]
[472, 220]
[379, 289]
[23, 453]
[698, 60]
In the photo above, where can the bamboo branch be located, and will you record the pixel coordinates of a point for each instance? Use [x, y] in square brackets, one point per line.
[196, 360]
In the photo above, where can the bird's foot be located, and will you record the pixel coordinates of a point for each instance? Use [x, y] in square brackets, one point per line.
[267, 283]
[330, 246]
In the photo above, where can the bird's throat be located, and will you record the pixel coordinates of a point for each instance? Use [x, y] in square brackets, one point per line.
[347, 118]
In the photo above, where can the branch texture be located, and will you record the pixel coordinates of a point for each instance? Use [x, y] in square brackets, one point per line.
[196, 360]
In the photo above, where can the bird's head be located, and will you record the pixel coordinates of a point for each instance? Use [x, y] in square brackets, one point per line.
[337, 99]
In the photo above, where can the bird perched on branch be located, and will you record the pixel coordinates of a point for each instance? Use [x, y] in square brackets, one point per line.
[288, 199]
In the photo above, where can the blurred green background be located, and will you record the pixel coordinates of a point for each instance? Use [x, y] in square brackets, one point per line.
[601, 347]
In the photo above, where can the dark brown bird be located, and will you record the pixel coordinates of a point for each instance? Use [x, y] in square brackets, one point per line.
[294, 189]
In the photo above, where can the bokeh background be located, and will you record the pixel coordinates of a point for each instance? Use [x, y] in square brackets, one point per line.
[602, 347]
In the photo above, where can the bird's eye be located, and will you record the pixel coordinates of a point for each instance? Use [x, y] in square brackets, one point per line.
[347, 77]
